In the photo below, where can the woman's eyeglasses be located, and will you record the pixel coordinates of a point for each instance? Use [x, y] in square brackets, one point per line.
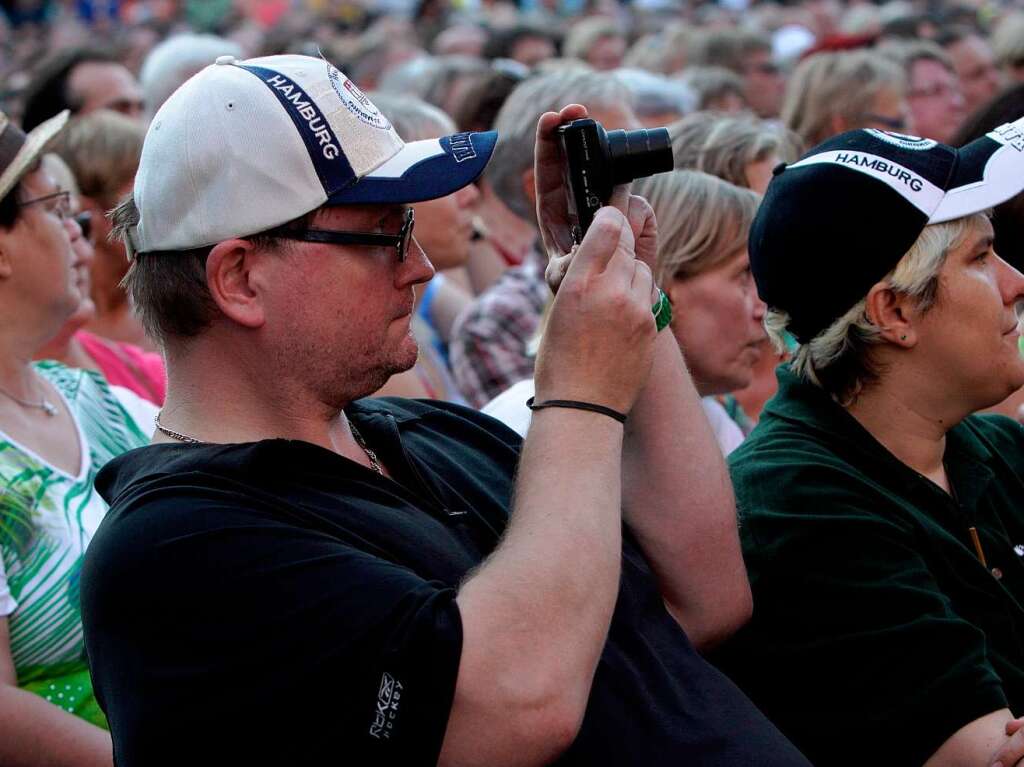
[58, 202]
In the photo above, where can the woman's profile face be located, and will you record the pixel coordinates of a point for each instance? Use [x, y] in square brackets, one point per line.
[718, 324]
[444, 227]
[45, 262]
[970, 336]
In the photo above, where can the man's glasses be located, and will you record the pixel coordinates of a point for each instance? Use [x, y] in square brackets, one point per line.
[400, 241]
[58, 202]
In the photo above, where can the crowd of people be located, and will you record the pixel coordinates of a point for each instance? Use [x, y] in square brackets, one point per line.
[326, 436]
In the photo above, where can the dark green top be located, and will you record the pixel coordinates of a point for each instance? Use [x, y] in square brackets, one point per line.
[877, 633]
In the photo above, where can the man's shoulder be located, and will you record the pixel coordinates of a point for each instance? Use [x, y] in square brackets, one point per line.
[436, 419]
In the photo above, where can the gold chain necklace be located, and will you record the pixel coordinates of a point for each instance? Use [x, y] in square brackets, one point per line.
[370, 454]
[366, 449]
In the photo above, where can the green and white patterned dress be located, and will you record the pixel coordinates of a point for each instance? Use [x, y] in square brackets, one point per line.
[47, 519]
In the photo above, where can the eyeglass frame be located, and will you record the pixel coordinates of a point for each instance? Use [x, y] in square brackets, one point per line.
[63, 210]
[400, 241]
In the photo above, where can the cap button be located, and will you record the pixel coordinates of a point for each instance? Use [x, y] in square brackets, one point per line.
[223, 60]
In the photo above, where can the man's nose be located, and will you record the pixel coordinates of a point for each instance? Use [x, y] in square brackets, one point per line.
[417, 267]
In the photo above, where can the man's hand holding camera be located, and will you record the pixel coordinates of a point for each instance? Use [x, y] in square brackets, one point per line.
[599, 341]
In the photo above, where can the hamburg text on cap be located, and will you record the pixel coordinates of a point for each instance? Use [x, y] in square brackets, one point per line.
[841, 218]
[245, 146]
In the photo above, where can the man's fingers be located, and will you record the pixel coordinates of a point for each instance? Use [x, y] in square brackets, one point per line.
[548, 160]
[600, 245]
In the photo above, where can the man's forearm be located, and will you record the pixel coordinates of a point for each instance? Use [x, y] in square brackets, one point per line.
[678, 502]
[536, 614]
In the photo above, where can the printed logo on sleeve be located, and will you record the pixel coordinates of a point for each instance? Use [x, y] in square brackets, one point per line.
[388, 698]
[355, 100]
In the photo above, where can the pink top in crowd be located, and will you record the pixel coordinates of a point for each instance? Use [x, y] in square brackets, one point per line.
[127, 365]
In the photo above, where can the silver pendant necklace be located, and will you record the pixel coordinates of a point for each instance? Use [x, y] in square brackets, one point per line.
[43, 404]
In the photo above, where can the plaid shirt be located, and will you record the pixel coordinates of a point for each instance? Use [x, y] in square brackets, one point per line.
[490, 340]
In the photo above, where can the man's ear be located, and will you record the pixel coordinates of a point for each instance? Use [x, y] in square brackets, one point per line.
[529, 189]
[894, 314]
[233, 275]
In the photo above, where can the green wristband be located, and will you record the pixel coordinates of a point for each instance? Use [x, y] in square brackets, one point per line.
[662, 311]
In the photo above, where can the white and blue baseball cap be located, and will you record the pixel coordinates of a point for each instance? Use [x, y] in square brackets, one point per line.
[246, 146]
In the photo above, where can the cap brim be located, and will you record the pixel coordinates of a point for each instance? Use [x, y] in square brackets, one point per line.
[36, 142]
[422, 170]
[989, 170]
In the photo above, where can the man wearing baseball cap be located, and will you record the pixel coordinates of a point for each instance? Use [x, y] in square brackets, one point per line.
[882, 522]
[294, 575]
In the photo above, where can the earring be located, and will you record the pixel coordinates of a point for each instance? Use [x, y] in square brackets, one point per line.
[903, 338]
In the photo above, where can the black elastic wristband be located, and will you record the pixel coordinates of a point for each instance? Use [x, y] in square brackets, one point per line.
[572, 404]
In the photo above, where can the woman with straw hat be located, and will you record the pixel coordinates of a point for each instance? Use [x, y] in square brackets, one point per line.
[58, 426]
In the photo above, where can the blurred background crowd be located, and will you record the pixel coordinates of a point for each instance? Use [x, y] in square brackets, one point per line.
[742, 85]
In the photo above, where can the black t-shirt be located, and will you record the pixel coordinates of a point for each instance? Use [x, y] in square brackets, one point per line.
[276, 603]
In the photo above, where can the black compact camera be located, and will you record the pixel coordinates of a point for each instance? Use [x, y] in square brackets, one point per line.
[596, 161]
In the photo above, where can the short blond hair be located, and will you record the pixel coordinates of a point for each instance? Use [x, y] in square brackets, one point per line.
[102, 149]
[702, 221]
[584, 34]
[664, 52]
[839, 358]
[829, 85]
[724, 145]
[1008, 41]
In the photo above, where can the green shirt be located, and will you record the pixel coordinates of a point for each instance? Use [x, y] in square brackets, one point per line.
[877, 632]
[47, 518]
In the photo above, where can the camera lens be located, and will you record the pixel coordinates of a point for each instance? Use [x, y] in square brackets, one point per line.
[639, 153]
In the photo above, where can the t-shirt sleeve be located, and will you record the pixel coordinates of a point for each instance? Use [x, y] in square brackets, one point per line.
[298, 648]
[853, 649]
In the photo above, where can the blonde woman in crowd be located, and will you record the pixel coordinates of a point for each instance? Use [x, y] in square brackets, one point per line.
[829, 93]
[664, 52]
[743, 151]
[598, 41]
[1008, 46]
[737, 148]
[702, 265]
